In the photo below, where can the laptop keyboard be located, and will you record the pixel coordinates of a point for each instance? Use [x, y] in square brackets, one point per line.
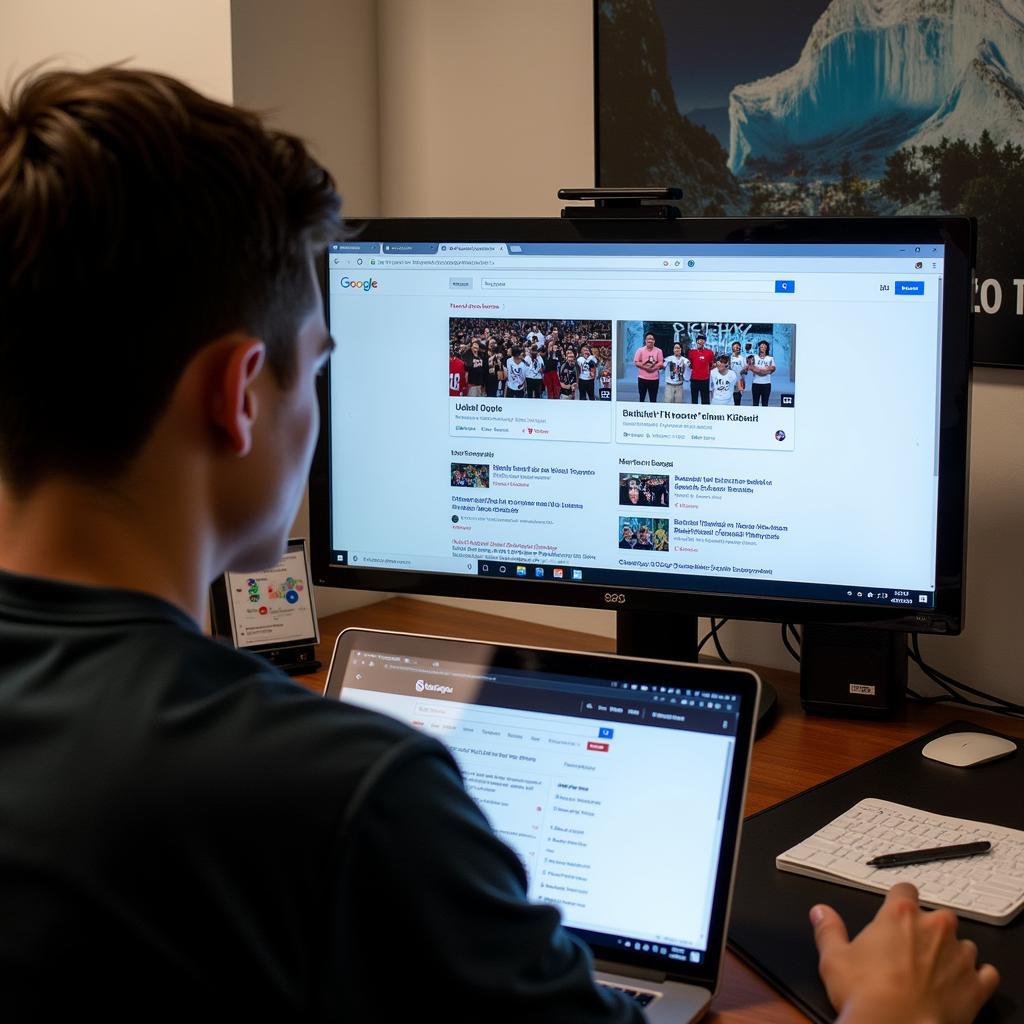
[636, 994]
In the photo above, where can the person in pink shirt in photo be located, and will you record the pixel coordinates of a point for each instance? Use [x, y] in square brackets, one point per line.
[648, 362]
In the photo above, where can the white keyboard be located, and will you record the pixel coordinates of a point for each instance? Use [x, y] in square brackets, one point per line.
[988, 887]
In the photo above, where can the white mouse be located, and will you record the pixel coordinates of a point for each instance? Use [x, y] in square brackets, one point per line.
[967, 749]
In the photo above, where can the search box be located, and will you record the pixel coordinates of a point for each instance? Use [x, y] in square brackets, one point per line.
[663, 282]
[501, 720]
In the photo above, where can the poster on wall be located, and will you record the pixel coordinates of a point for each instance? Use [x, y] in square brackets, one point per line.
[830, 108]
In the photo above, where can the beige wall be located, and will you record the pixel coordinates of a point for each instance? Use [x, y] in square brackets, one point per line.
[187, 38]
[311, 65]
[486, 106]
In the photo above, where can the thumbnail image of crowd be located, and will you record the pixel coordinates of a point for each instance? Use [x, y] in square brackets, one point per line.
[693, 362]
[464, 474]
[641, 489]
[643, 534]
[536, 358]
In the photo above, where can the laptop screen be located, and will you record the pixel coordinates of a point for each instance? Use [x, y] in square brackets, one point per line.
[612, 788]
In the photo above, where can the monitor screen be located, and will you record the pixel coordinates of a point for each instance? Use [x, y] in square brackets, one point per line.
[755, 419]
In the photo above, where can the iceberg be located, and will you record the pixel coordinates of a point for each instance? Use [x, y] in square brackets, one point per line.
[876, 75]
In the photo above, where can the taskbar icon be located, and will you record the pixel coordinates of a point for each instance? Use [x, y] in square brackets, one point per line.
[528, 570]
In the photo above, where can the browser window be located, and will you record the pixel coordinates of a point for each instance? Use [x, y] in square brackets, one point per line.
[580, 777]
[723, 418]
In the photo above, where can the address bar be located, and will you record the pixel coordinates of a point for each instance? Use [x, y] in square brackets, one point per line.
[660, 283]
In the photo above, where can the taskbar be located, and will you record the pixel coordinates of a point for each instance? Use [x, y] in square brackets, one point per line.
[858, 594]
[646, 947]
[732, 585]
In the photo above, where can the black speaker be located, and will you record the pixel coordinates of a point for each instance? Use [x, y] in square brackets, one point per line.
[852, 670]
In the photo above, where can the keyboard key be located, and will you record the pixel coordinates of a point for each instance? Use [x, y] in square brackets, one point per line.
[638, 996]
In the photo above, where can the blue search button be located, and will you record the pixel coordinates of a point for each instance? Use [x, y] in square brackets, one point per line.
[910, 287]
[785, 287]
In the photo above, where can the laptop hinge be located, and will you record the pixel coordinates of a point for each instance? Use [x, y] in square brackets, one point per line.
[646, 973]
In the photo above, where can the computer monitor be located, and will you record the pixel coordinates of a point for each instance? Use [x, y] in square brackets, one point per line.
[754, 419]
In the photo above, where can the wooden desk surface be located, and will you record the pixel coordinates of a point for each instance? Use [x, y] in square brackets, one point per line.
[796, 752]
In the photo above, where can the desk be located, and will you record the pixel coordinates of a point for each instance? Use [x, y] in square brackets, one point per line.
[797, 751]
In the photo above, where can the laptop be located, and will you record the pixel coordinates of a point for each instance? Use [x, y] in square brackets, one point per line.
[619, 782]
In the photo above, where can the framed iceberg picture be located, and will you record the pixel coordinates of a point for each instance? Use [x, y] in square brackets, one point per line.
[830, 108]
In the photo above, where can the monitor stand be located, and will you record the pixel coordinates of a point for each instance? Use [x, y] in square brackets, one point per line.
[674, 638]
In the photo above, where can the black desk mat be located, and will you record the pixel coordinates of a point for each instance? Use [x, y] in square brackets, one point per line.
[770, 929]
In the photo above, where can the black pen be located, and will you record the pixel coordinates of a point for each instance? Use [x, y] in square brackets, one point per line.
[893, 860]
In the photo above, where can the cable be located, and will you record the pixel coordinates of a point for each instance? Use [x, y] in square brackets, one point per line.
[947, 681]
[712, 634]
[707, 637]
[786, 627]
[920, 698]
[718, 643]
[998, 705]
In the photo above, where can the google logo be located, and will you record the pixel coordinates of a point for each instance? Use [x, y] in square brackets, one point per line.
[370, 282]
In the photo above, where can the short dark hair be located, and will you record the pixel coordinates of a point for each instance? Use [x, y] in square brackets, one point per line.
[139, 221]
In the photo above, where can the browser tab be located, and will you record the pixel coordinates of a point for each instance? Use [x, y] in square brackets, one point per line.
[411, 248]
[476, 248]
[355, 247]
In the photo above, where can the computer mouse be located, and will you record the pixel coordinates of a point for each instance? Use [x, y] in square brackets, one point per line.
[967, 749]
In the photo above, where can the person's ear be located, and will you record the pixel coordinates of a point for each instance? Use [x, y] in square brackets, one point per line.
[235, 406]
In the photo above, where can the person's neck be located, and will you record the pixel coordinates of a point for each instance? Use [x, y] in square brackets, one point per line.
[121, 535]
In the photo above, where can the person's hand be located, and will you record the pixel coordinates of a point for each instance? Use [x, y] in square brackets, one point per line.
[906, 967]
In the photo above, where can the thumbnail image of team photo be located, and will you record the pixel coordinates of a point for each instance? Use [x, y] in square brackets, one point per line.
[643, 490]
[465, 474]
[560, 360]
[698, 362]
[643, 534]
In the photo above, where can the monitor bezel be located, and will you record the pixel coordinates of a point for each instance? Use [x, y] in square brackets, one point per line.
[956, 234]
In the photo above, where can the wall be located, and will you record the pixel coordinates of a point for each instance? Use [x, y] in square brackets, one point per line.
[486, 106]
[311, 66]
[187, 38]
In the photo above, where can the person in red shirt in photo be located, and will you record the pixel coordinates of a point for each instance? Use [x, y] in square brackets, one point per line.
[552, 360]
[701, 360]
[457, 378]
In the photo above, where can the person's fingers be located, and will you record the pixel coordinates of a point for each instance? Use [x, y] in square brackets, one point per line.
[829, 929]
[944, 922]
[902, 890]
[988, 980]
[899, 896]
